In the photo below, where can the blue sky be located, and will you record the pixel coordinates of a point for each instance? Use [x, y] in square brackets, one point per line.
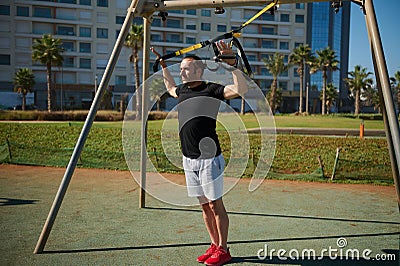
[388, 16]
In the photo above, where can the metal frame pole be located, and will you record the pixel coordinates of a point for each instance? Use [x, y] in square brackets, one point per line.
[85, 130]
[145, 95]
[381, 73]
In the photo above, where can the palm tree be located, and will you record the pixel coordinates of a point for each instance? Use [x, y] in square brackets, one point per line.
[371, 96]
[134, 40]
[325, 61]
[47, 51]
[24, 81]
[276, 65]
[157, 90]
[358, 81]
[331, 96]
[300, 57]
[396, 87]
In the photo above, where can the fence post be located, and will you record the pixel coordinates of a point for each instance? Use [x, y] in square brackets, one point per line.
[336, 163]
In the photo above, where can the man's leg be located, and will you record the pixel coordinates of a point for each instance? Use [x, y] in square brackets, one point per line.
[209, 221]
[221, 221]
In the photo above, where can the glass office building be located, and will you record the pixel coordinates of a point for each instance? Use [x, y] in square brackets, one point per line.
[328, 28]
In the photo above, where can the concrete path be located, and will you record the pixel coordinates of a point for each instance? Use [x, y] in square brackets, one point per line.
[100, 223]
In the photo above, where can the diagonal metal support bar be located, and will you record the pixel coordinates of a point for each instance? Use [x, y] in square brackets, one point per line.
[382, 77]
[86, 128]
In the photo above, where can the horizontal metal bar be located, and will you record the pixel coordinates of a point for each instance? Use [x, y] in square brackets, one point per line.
[150, 6]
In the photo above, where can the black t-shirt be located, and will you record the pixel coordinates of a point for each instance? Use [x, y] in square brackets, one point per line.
[197, 113]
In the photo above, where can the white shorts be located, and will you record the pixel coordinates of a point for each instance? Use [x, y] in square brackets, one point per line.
[205, 177]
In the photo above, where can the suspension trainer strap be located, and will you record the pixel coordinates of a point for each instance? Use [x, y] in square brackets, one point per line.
[232, 34]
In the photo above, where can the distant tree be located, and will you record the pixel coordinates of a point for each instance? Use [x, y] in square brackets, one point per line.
[276, 66]
[157, 90]
[134, 41]
[358, 81]
[278, 98]
[324, 61]
[48, 51]
[396, 88]
[331, 96]
[300, 57]
[371, 98]
[24, 80]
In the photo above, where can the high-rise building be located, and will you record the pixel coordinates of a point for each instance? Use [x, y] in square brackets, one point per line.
[88, 29]
[331, 29]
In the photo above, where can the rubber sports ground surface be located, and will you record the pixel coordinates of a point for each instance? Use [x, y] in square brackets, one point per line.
[99, 222]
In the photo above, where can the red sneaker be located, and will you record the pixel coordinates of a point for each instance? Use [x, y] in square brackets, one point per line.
[208, 254]
[219, 257]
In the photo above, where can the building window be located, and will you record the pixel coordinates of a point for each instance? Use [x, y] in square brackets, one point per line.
[286, 59]
[68, 62]
[156, 22]
[137, 21]
[4, 10]
[102, 3]
[85, 32]
[299, 19]
[176, 38]
[191, 12]
[283, 85]
[190, 40]
[85, 63]
[155, 37]
[221, 28]
[296, 86]
[297, 44]
[265, 72]
[5, 59]
[300, 6]
[251, 57]
[285, 18]
[295, 73]
[268, 30]
[119, 19]
[102, 33]
[42, 12]
[234, 27]
[269, 44]
[85, 47]
[205, 26]
[120, 80]
[206, 12]
[284, 45]
[267, 17]
[191, 27]
[85, 2]
[22, 11]
[67, 1]
[68, 46]
[64, 30]
[173, 23]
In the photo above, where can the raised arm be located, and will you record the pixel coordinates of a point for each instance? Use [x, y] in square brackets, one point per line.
[168, 79]
[239, 86]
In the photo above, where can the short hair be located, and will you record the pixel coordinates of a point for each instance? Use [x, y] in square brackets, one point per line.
[198, 62]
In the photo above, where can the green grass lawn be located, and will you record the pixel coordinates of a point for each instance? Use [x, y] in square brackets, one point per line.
[52, 143]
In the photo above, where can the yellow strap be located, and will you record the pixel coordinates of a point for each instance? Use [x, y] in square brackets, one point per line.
[272, 4]
[188, 49]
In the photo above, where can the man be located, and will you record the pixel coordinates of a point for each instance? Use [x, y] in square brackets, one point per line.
[198, 105]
